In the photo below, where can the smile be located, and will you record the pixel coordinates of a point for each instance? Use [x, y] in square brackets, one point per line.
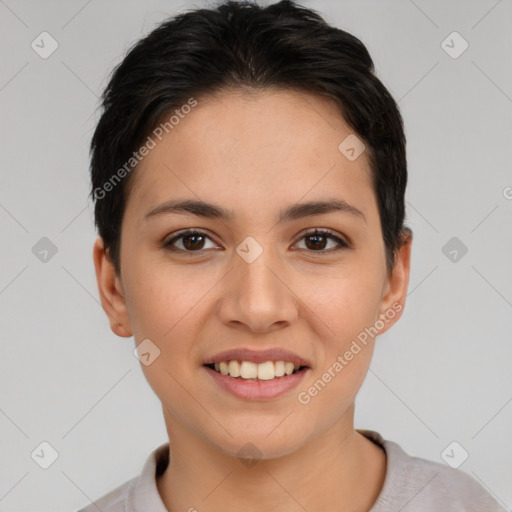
[249, 370]
[256, 381]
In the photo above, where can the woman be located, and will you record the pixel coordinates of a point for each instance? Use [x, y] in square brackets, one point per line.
[249, 172]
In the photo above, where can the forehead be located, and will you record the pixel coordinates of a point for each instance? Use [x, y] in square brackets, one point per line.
[259, 147]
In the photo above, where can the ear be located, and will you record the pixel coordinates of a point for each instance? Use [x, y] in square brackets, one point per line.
[395, 292]
[111, 291]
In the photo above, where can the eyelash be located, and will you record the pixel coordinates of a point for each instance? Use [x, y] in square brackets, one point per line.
[316, 232]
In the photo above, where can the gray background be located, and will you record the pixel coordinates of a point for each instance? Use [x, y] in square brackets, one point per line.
[442, 374]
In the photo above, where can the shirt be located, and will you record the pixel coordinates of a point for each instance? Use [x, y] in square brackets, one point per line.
[411, 484]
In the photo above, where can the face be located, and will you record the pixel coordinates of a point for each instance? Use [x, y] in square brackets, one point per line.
[255, 278]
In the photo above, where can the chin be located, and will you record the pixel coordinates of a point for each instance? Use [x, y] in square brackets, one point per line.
[262, 442]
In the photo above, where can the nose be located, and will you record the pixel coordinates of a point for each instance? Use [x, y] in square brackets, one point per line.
[258, 295]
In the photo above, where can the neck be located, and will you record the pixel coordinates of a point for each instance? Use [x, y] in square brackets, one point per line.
[339, 470]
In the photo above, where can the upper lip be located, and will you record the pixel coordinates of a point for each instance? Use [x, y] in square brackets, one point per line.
[258, 356]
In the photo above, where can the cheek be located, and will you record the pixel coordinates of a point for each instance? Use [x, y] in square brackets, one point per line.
[160, 299]
[163, 308]
[165, 305]
[346, 349]
[346, 304]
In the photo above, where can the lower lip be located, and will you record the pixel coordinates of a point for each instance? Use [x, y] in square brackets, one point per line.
[260, 389]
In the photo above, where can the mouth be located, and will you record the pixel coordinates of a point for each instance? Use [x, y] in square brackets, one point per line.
[250, 371]
[264, 381]
[257, 374]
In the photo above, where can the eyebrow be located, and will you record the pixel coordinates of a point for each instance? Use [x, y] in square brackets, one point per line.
[292, 212]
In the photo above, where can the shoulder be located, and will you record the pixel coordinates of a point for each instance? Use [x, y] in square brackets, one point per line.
[114, 501]
[435, 486]
[414, 483]
[139, 493]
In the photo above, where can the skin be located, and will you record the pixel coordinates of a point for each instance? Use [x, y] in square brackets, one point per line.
[256, 154]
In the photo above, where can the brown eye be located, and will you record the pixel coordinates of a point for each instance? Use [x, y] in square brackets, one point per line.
[190, 241]
[316, 241]
[194, 241]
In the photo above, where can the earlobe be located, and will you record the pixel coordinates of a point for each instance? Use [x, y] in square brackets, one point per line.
[398, 281]
[110, 291]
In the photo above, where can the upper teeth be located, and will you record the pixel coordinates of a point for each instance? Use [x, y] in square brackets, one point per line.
[249, 370]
